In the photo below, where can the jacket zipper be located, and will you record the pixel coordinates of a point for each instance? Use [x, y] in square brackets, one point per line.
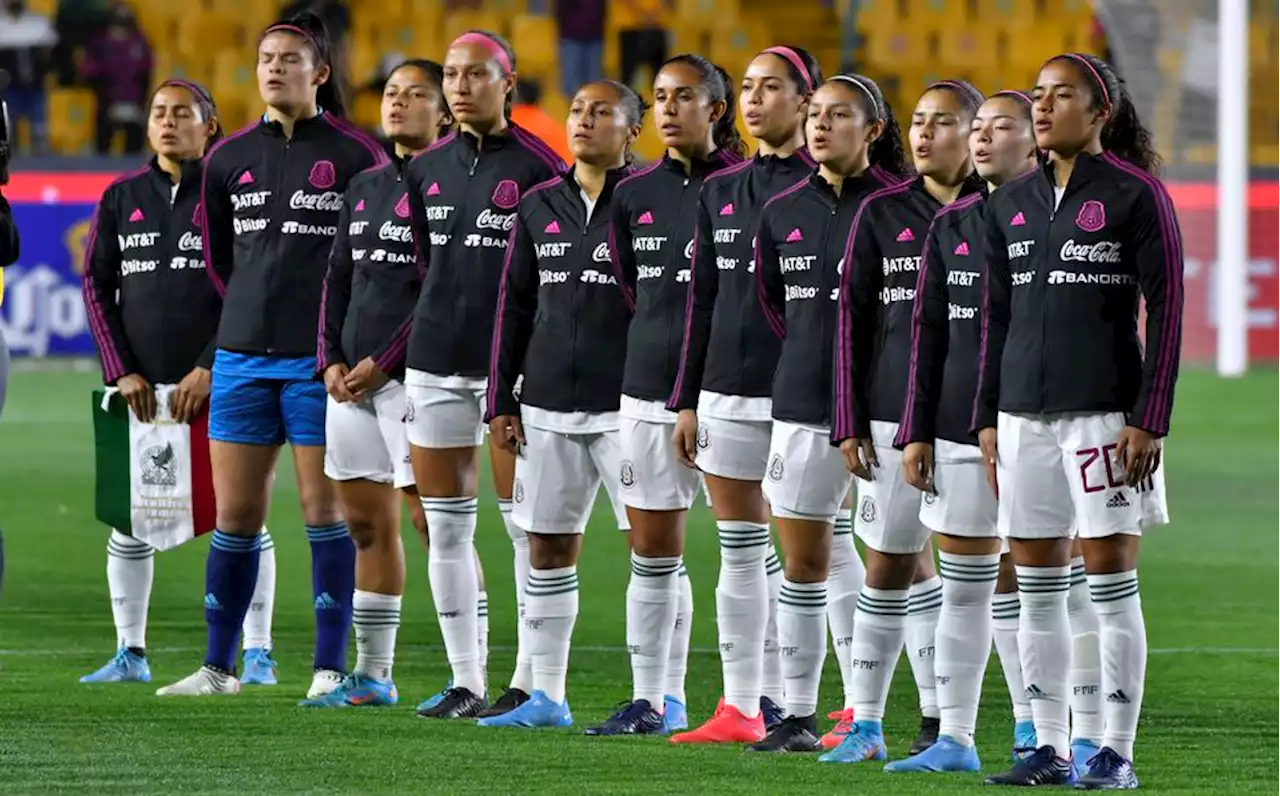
[278, 246]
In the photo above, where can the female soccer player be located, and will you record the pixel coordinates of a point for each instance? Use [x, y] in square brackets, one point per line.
[1070, 409]
[873, 341]
[723, 426]
[368, 301]
[562, 326]
[650, 242]
[463, 193]
[940, 457]
[272, 195]
[154, 315]
[855, 140]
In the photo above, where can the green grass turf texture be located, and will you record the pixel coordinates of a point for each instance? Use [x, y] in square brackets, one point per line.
[1209, 584]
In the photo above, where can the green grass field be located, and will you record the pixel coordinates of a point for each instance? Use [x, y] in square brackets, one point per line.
[1209, 588]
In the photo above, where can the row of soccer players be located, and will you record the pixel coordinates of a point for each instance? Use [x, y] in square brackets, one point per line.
[619, 338]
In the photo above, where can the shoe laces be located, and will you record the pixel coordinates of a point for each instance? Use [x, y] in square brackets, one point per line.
[121, 659]
[628, 712]
[1105, 762]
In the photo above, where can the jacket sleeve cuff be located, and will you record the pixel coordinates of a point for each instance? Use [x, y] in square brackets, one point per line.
[1135, 419]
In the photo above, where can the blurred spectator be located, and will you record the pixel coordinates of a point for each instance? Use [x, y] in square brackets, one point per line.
[118, 67]
[581, 26]
[527, 113]
[76, 23]
[642, 36]
[26, 41]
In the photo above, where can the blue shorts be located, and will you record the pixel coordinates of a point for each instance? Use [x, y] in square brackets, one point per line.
[262, 400]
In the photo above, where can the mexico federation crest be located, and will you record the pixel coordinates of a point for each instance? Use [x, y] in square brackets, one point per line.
[776, 468]
[867, 509]
[628, 474]
[159, 466]
[704, 437]
[517, 491]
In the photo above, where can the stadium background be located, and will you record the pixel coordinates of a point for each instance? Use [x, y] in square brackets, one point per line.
[1208, 579]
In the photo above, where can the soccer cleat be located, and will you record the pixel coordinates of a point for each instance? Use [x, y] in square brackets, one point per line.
[928, 735]
[322, 682]
[844, 724]
[633, 718]
[773, 715]
[1108, 770]
[946, 755]
[792, 734]
[356, 690]
[1041, 768]
[726, 725]
[205, 682]
[433, 700]
[511, 699]
[457, 703]
[257, 667]
[536, 711]
[1082, 752]
[675, 716]
[124, 667]
[864, 742]
[1024, 740]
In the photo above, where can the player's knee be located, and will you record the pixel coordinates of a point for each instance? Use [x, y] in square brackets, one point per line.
[240, 515]
[807, 564]
[890, 570]
[553, 551]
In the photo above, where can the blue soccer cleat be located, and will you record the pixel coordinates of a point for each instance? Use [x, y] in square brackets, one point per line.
[771, 713]
[435, 699]
[1024, 740]
[946, 755]
[633, 718]
[1041, 768]
[864, 742]
[675, 716]
[357, 690]
[539, 711]
[124, 667]
[257, 667]
[1082, 751]
[1108, 770]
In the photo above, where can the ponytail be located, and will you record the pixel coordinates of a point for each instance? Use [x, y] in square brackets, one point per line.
[330, 95]
[887, 151]
[718, 85]
[1124, 134]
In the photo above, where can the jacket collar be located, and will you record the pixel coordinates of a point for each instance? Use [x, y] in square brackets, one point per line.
[1087, 168]
[611, 179]
[698, 167]
[191, 171]
[490, 143]
[302, 127]
[801, 155]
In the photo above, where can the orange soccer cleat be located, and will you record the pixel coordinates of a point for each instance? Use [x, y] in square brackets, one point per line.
[844, 723]
[726, 725]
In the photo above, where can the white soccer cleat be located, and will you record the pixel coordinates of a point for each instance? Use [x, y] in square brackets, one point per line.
[325, 680]
[205, 682]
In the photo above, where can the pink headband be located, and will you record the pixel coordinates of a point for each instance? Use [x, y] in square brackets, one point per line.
[494, 49]
[1080, 59]
[793, 58]
[1013, 92]
[293, 29]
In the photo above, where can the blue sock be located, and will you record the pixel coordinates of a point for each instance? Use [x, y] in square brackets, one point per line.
[333, 582]
[230, 575]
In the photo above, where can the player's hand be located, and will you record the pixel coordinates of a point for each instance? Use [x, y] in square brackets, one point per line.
[1138, 452]
[987, 442]
[860, 457]
[917, 466]
[509, 432]
[365, 378]
[139, 394]
[685, 438]
[185, 402]
[335, 382]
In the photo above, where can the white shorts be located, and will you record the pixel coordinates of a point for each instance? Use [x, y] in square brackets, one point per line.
[367, 439]
[558, 476]
[443, 417]
[1155, 503]
[737, 449]
[806, 478]
[650, 477]
[1058, 474]
[888, 508]
[963, 505]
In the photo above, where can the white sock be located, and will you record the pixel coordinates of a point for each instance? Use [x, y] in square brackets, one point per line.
[1044, 640]
[482, 636]
[678, 659]
[1004, 629]
[742, 611]
[131, 568]
[257, 622]
[963, 641]
[551, 609]
[652, 598]
[845, 579]
[455, 585]
[1124, 655]
[878, 631]
[802, 637]
[1086, 659]
[771, 685]
[924, 606]
[375, 618]
[523, 676]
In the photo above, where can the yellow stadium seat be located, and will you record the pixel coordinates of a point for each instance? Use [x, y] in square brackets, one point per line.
[233, 112]
[71, 120]
[233, 70]
[207, 33]
[363, 60]
[367, 109]
[965, 48]
[735, 47]
[46, 7]
[535, 39]
[876, 16]
[707, 14]
[894, 48]
[460, 22]
[937, 13]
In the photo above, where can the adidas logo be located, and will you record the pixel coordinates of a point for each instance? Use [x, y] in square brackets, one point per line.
[1118, 501]
[553, 228]
[325, 601]
[211, 603]
[795, 236]
[136, 216]
[434, 190]
[645, 218]
[245, 179]
[727, 210]
[1118, 697]
[359, 206]
[1034, 692]
[906, 236]
[963, 248]
[1018, 220]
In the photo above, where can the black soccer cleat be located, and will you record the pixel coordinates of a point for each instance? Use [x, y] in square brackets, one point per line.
[771, 713]
[633, 718]
[1041, 768]
[511, 699]
[792, 734]
[928, 736]
[457, 703]
[1108, 770]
